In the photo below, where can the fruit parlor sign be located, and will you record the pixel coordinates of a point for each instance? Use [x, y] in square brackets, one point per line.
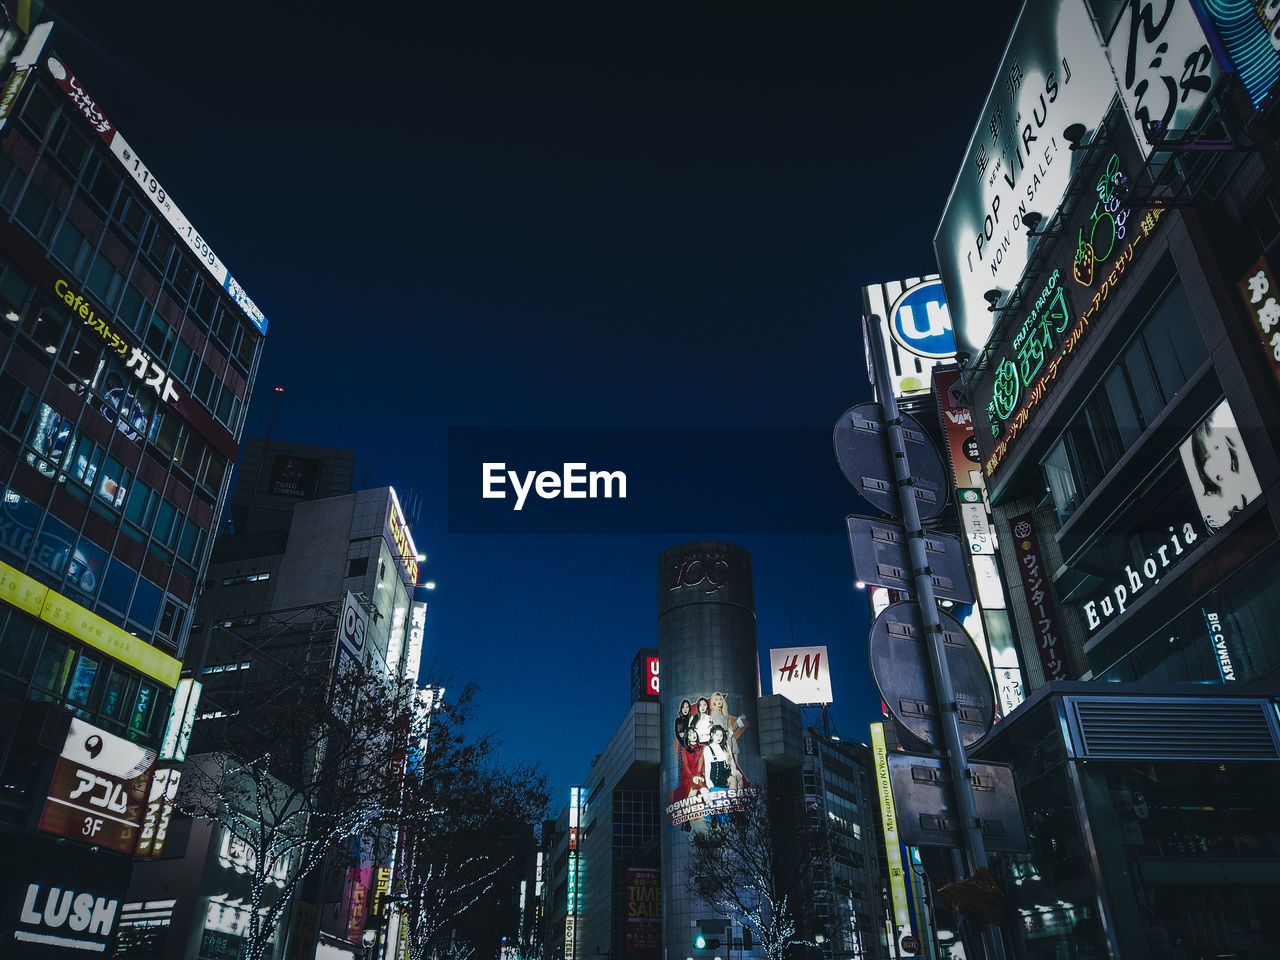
[1102, 242]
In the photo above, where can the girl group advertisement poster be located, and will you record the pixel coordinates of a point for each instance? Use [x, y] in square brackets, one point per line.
[708, 778]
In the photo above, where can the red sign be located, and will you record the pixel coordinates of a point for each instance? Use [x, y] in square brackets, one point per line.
[651, 675]
[1044, 613]
[957, 425]
[358, 884]
[1262, 301]
[99, 789]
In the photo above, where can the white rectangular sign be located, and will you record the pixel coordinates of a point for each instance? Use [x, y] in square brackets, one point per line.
[353, 627]
[977, 531]
[1054, 75]
[88, 746]
[801, 674]
[1163, 66]
[160, 199]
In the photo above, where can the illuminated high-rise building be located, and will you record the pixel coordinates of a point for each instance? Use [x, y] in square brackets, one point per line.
[317, 576]
[127, 356]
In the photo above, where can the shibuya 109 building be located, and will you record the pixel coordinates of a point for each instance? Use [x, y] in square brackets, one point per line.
[710, 685]
[1106, 252]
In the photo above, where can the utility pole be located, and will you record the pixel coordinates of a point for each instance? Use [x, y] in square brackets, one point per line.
[954, 757]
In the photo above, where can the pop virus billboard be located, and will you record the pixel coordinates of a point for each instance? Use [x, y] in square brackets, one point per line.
[1054, 77]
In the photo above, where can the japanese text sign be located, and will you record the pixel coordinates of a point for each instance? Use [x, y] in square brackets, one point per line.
[99, 789]
[1262, 302]
[1046, 632]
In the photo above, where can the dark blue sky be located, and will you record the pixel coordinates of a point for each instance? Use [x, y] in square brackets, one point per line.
[552, 215]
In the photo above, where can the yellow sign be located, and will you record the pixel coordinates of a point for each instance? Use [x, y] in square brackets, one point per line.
[33, 597]
[21, 591]
[889, 818]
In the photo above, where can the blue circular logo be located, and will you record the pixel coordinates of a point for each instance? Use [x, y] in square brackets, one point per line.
[921, 323]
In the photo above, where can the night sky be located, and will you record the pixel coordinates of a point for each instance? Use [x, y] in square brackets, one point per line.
[613, 215]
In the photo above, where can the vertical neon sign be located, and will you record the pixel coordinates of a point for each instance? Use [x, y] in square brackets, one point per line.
[889, 820]
[576, 805]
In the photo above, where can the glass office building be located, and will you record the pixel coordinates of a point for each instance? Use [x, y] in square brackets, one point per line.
[127, 356]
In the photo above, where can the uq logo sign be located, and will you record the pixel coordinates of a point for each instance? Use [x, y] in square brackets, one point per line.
[920, 322]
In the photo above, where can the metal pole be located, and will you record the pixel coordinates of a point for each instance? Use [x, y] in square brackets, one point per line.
[953, 747]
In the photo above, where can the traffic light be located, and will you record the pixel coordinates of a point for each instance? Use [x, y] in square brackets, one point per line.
[708, 934]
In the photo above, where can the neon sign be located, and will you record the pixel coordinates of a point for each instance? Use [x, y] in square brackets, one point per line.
[1050, 316]
[1069, 342]
[398, 531]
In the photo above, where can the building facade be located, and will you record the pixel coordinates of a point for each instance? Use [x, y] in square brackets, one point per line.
[710, 685]
[1108, 271]
[614, 864]
[127, 357]
[313, 582]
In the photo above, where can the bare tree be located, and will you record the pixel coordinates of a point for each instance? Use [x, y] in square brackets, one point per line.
[733, 869]
[464, 821]
[302, 768]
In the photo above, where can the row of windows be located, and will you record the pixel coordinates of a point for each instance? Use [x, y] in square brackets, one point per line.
[128, 308]
[38, 663]
[62, 453]
[227, 667]
[132, 221]
[107, 285]
[246, 578]
[83, 361]
[76, 567]
[1152, 368]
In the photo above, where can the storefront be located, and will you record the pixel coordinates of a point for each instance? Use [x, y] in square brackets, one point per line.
[1153, 822]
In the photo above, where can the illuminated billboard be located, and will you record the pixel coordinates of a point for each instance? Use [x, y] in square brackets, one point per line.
[801, 674]
[160, 806]
[99, 789]
[1163, 65]
[643, 940]
[353, 628]
[889, 824]
[915, 328]
[646, 682]
[1054, 75]
[151, 187]
[709, 780]
[402, 546]
[1223, 481]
